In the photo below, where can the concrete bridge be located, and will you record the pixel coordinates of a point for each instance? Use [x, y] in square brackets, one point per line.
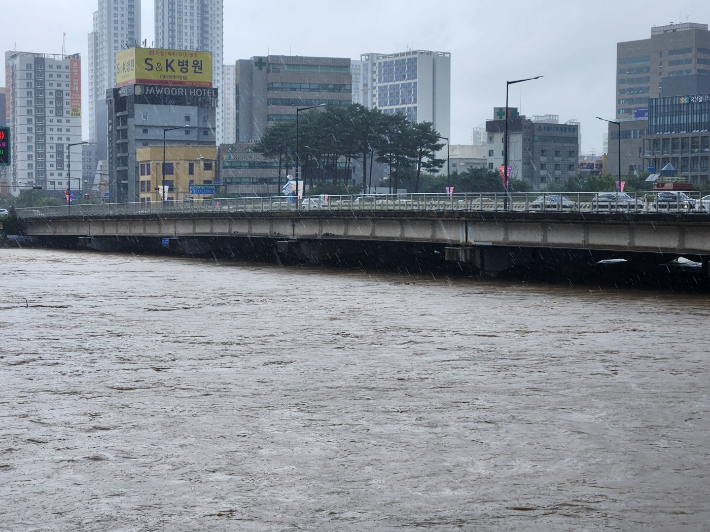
[489, 240]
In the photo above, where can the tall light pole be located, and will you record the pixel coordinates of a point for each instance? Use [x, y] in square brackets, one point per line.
[68, 192]
[505, 137]
[448, 162]
[298, 110]
[163, 196]
[618, 125]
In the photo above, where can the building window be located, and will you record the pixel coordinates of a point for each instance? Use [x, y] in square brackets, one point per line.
[191, 169]
[557, 153]
[490, 153]
[145, 130]
[168, 169]
[187, 118]
[207, 166]
[543, 152]
[543, 166]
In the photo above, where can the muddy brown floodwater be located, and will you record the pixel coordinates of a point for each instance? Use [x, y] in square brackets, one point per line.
[152, 393]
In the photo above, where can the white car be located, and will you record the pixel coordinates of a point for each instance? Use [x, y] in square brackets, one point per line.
[705, 202]
[313, 203]
[4, 212]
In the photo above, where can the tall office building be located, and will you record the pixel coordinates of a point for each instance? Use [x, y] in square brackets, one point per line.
[672, 51]
[541, 151]
[675, 54]
[229, 104]
[270, 89]
[44, 111]
[163, 97]
[416, 83]
[117, 25]
[194, 25]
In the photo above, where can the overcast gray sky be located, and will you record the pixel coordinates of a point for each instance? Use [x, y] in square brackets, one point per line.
[569, 42]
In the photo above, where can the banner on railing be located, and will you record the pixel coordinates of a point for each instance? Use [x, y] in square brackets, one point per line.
[450, 192]
[620, 185]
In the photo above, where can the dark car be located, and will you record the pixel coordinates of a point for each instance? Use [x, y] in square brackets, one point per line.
[605, 201]
[671, 199]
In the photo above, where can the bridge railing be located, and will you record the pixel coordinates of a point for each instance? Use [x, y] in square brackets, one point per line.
[643, 202]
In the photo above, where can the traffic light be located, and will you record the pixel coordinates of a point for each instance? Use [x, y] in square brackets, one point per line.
[4, 146]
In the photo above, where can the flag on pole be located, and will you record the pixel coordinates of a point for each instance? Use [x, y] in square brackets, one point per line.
[504, 175]
[620, 185]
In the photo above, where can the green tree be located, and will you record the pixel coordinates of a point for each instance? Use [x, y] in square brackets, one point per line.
[367, 126]
[395, 148]
[277, 143]
[424, 143]
[478, 180]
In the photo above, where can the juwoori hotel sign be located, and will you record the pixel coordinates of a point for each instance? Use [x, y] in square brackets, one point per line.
[163, 67]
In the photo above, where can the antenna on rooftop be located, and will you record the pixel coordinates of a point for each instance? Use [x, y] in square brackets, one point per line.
[64, 44]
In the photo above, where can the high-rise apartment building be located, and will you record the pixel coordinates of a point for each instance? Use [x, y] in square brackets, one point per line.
[229, 104]
[356, 71]
[117, 25]
[194, 25]
[416, 83]
[3, 117]
[674, 55]
[44, 112]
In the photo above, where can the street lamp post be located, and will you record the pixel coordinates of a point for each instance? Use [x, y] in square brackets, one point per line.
[618, 125]
[448, 162]
[68, 192]
[163, 196]
[298, 110]
[505, 137]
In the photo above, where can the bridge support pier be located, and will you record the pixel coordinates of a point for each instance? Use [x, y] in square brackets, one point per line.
[490, 260]
[706, 266]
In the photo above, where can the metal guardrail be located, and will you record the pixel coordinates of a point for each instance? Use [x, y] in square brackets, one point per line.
[647, 202]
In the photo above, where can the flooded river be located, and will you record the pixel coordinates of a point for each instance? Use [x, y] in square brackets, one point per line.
[153, 393]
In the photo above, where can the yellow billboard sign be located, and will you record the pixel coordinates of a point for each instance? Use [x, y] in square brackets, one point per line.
[154, 66]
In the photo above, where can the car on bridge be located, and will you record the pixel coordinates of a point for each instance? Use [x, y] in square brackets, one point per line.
[673, 199]
[705, 203]
[314, 203]
[605, 201]
[4, 212]
[553, 202]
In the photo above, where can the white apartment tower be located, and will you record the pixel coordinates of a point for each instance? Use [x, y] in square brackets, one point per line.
[43, 105]
[229, 104]
[117, 25]
[194, 25]
[416, 83]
